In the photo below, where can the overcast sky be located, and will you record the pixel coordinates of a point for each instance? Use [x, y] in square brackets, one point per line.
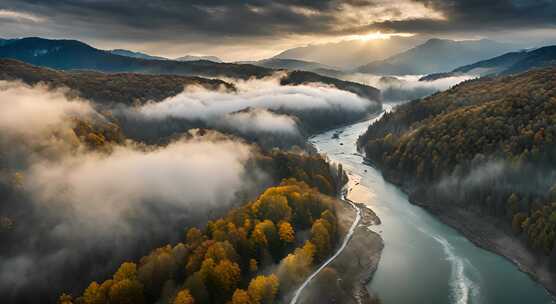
[246, 29]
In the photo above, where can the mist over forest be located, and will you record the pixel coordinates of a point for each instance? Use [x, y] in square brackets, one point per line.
[89, 185]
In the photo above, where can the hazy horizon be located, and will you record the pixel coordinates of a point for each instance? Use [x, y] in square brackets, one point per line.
[253, 30]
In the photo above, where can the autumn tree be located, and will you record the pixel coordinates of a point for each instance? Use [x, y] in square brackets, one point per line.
[183, 297]
[126, 288]
[220, 278]
[97, 294]
[65, 299]
[273, 206]
[241, 296]
[194, 237]
[286, 232]
[320, 236]
[263, 289]
[265, 235]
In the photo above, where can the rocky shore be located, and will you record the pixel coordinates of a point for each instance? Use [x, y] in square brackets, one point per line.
[345, 279]
[487, 232]
[491, 234]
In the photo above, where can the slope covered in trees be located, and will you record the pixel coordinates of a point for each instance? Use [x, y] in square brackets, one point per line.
[121, 94]
[274, 219]
[104, 88]
[226, 261]
[487, 145]
[76, 55]
[506, 64]
[79, 197]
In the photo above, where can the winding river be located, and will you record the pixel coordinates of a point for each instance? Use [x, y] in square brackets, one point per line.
[424, 261]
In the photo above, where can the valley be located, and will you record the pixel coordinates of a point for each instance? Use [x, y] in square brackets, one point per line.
[462, 272]
[267, 152]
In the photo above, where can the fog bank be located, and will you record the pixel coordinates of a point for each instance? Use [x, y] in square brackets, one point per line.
[257, 106]
[408, 87]
[79, 211]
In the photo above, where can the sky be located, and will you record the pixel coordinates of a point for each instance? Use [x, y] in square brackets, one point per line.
[254, 29]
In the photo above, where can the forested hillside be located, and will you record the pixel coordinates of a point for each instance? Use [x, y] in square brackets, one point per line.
[123, 94]
[507, 64]
[228, 261]
[76, 55]
[488, 145]
[256, 253]
[105, 88]
[81, 196]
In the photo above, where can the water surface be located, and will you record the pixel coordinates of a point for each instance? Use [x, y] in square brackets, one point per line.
[424, 261]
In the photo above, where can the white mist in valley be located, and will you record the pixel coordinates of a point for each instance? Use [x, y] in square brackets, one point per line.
[94, 207]
[26, 110]
[405, 87]
[275, 105]
[189, 174]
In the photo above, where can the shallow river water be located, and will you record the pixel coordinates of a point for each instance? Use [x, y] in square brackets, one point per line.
[424, 261]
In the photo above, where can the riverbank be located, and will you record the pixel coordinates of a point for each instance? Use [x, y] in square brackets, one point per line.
[491, 234]
[486, 232]
[344, 280]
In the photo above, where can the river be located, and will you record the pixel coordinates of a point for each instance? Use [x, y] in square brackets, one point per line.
[424, 260]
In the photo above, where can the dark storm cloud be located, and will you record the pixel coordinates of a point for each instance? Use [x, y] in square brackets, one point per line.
[477, 15]
[255, 18]
[173, 18]
[231, 28]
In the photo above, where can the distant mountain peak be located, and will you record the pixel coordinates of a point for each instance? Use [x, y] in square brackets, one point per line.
[195, 58]
[505, 64]
[435, 55]
[349, 54]
[437, 40]
[134, 54]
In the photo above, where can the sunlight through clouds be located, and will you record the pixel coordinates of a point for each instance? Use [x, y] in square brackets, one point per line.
[19, 16]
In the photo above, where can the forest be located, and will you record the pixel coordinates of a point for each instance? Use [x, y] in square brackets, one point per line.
[487, 145]
[231, 220]
[312, 105]
[228, 261]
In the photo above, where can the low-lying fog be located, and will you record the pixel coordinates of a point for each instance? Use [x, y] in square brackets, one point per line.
[256, 109]
[79, 212]
[405, 87]
[75, 210]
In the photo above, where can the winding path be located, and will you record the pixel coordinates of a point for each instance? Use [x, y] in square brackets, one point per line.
[327, 262]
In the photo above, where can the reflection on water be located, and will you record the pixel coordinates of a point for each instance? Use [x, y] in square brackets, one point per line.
[424, 261]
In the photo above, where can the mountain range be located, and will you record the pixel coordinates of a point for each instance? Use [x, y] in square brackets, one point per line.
[295, 64]
[141, 55]
[76, 55]
[350, 54]
[133, 54]
[195, 58]
[506, 64]
[102, 88]
[436, 55]
[5, 41]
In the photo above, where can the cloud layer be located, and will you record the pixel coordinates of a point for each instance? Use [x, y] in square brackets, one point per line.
[239, 28]
[199, 103]
[258, 107]
[401, 88]
[78, 212]
[22, 115]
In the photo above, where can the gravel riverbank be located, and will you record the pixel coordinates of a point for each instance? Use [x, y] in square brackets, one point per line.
[344, 280]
